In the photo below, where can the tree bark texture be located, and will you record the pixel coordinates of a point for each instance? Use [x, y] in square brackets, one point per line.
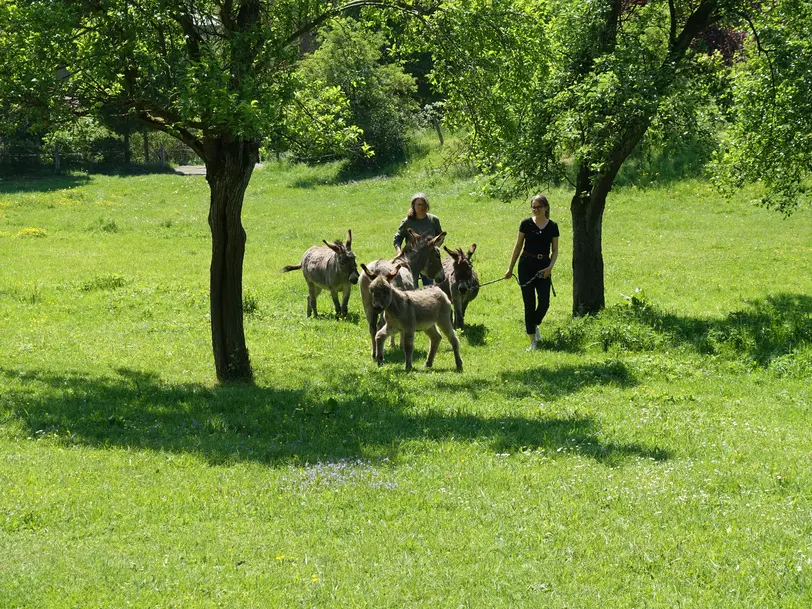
[587, 208]
[229, 164]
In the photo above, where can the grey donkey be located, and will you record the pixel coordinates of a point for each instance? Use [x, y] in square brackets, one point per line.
[407, 312]
[461, 283]
[331, 267]
[420, 254]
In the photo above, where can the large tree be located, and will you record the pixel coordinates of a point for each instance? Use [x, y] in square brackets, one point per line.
[770, 135]
[560, 90]
[216, 74]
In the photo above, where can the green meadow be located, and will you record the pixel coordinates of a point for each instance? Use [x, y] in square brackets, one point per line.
[657, 455]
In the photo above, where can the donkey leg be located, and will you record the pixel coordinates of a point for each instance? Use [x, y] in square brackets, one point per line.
[448, 330]
[312, 292]
[461, 314]
[345, 300]
[408, 348]
[336, 304]
[458, 316]
[380, 339]
[372, 323]
[434, 342]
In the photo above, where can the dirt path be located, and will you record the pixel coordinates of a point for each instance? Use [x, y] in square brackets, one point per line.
[191, 170]
[199, 170]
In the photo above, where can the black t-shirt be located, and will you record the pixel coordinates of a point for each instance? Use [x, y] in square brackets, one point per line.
[538, 240]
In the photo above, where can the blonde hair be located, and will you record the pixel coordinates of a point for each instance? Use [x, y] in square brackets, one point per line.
[544, 203]
[418, 196]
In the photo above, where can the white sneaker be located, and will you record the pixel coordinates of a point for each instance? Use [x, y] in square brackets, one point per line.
[533, 347]
[537, 337]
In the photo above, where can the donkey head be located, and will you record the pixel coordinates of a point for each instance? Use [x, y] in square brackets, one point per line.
[463, 268]
[380, 288]
[346, 257]
[423, 254]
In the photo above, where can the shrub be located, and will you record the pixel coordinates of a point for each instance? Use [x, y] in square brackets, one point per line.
[380, 95]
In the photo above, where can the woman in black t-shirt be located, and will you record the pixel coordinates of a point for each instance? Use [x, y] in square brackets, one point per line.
[538, 235]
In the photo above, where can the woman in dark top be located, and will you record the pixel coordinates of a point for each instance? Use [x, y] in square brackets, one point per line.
[420, 221]
[538, 235]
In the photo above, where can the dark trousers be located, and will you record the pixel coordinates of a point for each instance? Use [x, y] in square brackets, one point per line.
[536, 294]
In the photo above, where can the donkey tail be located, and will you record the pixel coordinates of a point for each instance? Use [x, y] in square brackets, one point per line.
[291, 267]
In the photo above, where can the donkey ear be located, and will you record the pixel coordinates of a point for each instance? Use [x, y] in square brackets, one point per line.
[332, 246]
[451, 253]
[471, 251]
[367, 271]
[394, 273]
[438, 240]
[349, 238]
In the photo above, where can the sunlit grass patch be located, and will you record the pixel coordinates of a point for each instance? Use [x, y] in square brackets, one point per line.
[31, 232]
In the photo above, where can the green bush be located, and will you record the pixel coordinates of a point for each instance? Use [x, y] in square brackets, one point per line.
[380, 96]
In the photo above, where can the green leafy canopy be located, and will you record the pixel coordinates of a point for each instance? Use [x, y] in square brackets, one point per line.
[188, 67]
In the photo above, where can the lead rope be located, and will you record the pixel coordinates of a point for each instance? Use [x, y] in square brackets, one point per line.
[522, 285]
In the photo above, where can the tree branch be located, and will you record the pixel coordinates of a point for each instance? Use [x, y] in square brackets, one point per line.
[313, 24]
[193, 38]
[672, 34]
[179, 133]
[704, 15]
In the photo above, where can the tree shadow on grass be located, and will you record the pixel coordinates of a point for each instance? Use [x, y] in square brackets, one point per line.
[765, 329]
[368, 419]
[41, 183]
[545, 383]
[474, 334]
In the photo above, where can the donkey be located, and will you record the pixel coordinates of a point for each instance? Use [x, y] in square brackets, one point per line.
[420, 254]
[409, 311]
[461, 283]
[328, 267]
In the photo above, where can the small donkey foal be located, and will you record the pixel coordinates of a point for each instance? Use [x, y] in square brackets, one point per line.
[407, 312]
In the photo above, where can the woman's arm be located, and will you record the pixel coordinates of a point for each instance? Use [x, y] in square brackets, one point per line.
[516, 251]
[400, 235]
[546, 272]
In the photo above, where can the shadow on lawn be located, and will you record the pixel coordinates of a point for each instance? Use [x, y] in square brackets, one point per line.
[46, 181]
[761, 331]
[41, 183]
[765, 329]
[372, 418]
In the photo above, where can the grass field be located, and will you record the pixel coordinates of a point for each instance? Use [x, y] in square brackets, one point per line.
[655, 456]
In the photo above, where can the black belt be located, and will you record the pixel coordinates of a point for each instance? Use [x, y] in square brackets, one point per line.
[538, 256]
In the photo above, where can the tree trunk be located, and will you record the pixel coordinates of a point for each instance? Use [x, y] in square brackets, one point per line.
[127, 151]
[229, 164]
[587, 208]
